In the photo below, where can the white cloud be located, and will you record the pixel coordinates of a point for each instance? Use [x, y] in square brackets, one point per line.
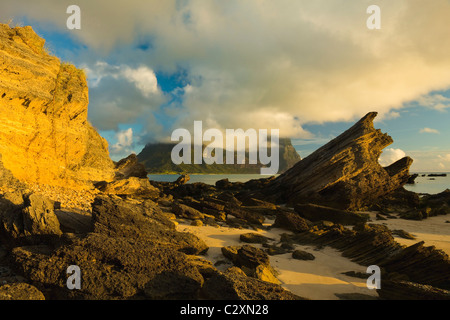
[302, 61]
[124, 142]
[144, 79]
[429, 130]
[435, 101]
[122, 94]
[391, 155]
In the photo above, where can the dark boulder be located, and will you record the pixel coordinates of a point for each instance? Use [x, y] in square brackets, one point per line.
[290, 220]
[405, 290]
[315, 212]
[302, 255]
[130, 167]
[39, 217]
[235, 286]
[20, 291]
[183, 179]
[253, 238]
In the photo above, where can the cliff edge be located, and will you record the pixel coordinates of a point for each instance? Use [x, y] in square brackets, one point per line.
[45, 136]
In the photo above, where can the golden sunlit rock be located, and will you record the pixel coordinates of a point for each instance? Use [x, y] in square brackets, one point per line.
[45, 137]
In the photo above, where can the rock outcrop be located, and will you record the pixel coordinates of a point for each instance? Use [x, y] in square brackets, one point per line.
[45, 137]
[20, 291]
[130, 167]
[344, 173]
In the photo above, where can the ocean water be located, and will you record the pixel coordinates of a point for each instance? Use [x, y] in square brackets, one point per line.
[431, 185]
[424, 184]
[207, 178]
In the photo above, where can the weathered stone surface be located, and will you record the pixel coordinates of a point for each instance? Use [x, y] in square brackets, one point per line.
[22, 216]
[20, 291]
[235, 286]
[253, 261]
[423, 265]
[245, 214]
[302, 255]
[315, 212]
[45, 137]
[11, 218]
[133, 249]
[344, 173]
[136, 187]
[230, 252]
[183, 179]
[119, 218]
[405, 290]
[365, 244]
[251, 257]
[253, 238]
[130, 167]
[39, 217]
[112, 268]
[187, 212]
[291, 221]
[403, 234]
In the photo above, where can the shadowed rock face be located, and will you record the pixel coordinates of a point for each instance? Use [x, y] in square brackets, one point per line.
[344, 173]
[45, 137]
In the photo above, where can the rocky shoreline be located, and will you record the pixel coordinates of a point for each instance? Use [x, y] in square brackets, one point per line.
[128, 247]
[64, 203]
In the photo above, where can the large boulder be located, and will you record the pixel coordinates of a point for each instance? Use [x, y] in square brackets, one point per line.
[130, 167]
[133, 249]
[133, 186]
[20, 291]
[39, 217]
[27, 216]
[315, 213]
[344, 173]
[141, 220]
[405, 290]
[234, 286]
[253, 261]
[290, 220]
[11, 218]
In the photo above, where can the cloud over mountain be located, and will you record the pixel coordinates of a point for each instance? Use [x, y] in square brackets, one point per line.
[277, 64]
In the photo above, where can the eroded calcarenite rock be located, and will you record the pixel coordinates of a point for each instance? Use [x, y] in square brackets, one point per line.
[130, 167]
[20, 291]
[405, 290]
[45, 136]
[343, 174]
[236, 286]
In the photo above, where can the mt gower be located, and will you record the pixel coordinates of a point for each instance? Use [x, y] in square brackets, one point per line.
[157, 160]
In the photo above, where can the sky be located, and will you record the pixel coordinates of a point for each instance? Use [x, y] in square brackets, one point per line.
[308, 68]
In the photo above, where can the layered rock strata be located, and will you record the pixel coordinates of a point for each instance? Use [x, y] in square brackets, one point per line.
[45, 137]
[343, 174]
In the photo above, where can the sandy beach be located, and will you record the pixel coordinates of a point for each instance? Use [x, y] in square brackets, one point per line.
[322, 278]
[434, 231]
[319, 279]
